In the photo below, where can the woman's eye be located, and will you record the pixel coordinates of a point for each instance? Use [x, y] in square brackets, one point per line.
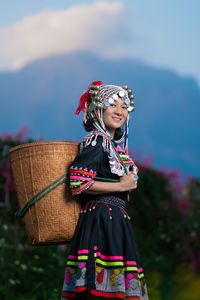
[124, 107]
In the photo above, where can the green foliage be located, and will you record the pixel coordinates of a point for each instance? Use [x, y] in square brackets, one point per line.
[154, 213]
[29, 272]
[166, 225]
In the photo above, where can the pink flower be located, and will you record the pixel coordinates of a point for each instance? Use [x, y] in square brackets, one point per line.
[6, 137]
[9, 183]
[184, 207]
[22, 134]
[144, 161]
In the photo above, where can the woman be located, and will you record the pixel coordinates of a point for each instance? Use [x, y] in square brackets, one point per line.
[102, 261]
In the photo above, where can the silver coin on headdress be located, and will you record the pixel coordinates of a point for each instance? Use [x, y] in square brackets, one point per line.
[121, 94]
[115, 96]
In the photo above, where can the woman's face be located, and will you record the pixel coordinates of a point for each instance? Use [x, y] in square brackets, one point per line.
[115, 115]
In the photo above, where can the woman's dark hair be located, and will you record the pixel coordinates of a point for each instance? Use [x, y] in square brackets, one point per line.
[118, 134]
[89, 126]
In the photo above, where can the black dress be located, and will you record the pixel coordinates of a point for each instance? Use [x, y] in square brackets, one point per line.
[102, 260]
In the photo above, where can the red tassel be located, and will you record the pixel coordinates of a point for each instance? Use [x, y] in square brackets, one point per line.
[86, 97]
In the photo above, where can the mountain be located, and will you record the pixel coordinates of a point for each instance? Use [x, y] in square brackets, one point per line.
[44, 95]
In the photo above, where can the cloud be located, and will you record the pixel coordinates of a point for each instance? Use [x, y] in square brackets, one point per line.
[95, 28]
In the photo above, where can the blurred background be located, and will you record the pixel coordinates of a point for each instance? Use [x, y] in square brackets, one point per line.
[49, 53]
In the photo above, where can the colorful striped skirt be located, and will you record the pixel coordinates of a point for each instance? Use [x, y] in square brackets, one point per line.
[103, 260]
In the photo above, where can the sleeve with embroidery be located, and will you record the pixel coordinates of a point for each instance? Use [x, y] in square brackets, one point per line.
[85, 167]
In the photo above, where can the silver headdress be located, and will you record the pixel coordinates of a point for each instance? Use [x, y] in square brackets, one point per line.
[97, 98]
[105, 95]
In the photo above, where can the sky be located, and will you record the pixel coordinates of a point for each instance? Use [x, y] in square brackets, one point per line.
[160, 33]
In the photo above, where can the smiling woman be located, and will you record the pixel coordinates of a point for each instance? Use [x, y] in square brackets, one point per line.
[103, 262]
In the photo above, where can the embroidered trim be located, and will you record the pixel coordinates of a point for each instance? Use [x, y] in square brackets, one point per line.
[103, 260]
[112, 200]
[117, 282]
[84, 172]
[108, 295]
[107, 201]
[82, 187]
[80, 179]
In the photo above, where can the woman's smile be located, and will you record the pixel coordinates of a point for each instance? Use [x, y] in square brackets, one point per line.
[116, 119]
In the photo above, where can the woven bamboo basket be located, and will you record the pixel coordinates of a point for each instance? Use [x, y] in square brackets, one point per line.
[53, 218]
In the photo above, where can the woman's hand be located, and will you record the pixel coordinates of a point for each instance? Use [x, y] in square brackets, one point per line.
[128, 182]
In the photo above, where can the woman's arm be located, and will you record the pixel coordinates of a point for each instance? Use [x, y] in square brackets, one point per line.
[126, 183]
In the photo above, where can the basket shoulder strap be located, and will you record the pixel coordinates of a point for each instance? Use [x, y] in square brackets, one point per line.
[42, 193]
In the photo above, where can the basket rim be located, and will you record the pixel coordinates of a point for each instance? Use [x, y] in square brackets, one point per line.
[40, 143]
